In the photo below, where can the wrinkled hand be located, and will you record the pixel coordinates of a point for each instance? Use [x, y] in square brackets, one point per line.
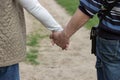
[60, 39]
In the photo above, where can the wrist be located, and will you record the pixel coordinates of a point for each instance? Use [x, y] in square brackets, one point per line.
[57, 29]
[65, 34]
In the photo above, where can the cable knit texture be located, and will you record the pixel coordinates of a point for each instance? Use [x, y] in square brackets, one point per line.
[12, 33]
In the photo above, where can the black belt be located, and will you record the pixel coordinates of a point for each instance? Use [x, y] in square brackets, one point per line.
[107, 34]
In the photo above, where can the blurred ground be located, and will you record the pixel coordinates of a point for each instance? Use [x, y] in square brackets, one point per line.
[75, 64]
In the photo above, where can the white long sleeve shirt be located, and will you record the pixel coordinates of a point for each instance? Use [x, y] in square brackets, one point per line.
[38, 11]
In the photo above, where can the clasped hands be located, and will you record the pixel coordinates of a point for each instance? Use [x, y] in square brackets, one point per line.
[60, 39]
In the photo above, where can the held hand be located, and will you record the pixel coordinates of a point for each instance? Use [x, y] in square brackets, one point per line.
[60, 39]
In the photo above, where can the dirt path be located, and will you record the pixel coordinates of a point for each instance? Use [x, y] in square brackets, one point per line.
[75, 64]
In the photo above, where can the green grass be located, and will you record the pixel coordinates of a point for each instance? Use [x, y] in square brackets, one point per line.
[92, 22]
[33, 41]
[71, 6]
[32, 56]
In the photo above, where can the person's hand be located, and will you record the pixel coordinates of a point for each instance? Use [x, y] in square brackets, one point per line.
[60, 39]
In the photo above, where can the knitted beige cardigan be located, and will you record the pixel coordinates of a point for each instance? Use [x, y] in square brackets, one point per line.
[12, 33]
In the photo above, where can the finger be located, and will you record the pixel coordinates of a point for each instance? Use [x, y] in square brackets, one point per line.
[53, 43]
[67, 47]
[51, 36]
[64, 47]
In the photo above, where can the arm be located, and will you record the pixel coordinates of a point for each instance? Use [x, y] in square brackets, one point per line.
[87, 9]
[76, 22]
[38, 11]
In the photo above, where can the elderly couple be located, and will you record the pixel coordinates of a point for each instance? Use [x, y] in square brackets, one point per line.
[13, 35]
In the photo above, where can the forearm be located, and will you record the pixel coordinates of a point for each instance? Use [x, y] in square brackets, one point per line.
[76, 22]
[34, 7]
